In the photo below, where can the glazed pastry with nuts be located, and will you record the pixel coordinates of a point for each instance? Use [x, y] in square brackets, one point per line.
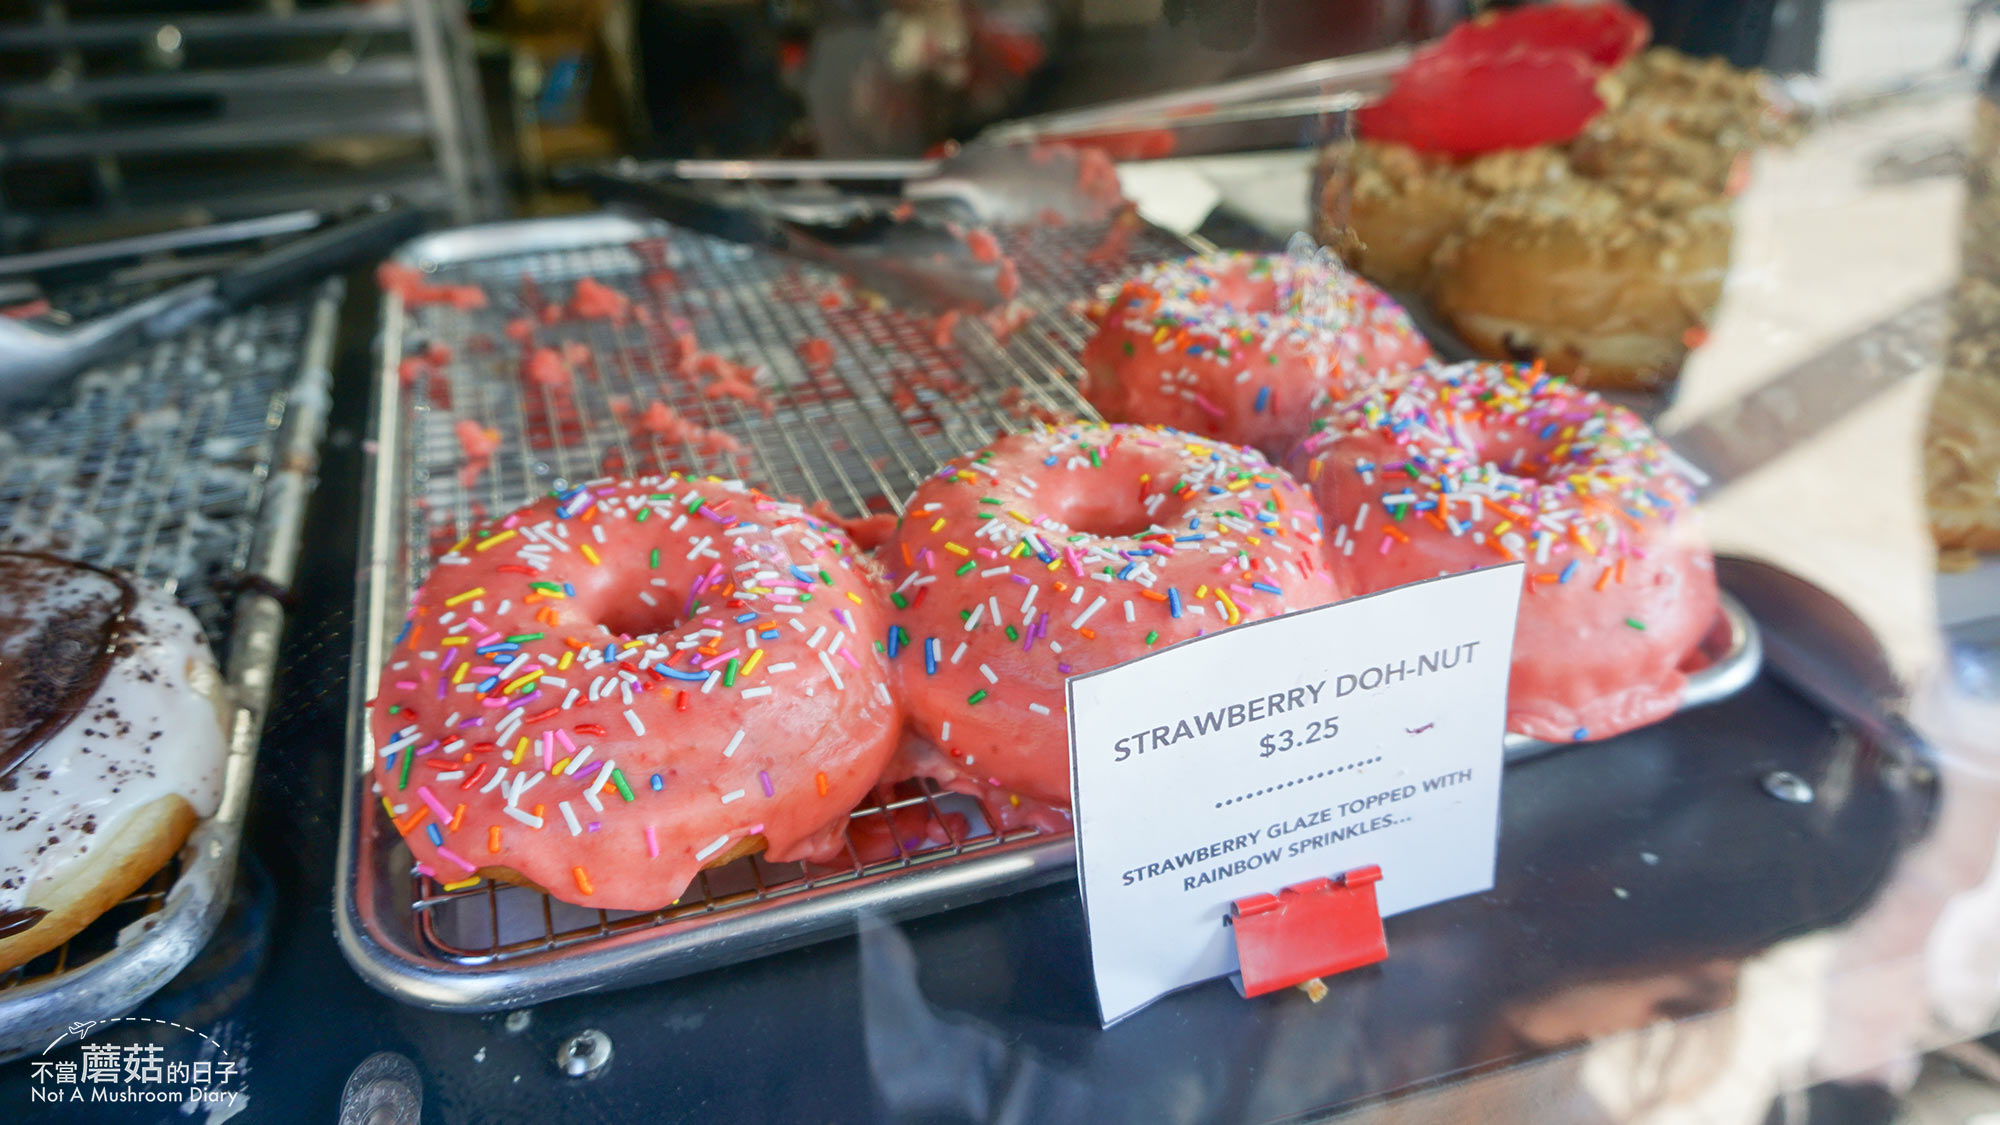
[1704, 99]
[1962, 438]
[1670, 115]
[1587, 279]
[1385, 208]
[1603, 252]
[1962, 466]
[1609, 282]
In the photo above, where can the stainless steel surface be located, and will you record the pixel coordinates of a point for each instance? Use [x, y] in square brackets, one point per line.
[146, 113]
[286, 78]
[585, 1054]
[218, 136]
[243, 230]
[1009, 185]
[1304, 105]
[1365, 74]
[812, 170]
[274, 23]
[859, 435]
[906, 245]
[913, 259]
[384, 1090]
[187, 465]
[1788, 787]
[34, 360]
[452, 101]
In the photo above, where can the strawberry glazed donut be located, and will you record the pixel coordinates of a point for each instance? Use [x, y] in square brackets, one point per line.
[1065, 551]
[620, 684]
[1237, 346]
[1466, 466]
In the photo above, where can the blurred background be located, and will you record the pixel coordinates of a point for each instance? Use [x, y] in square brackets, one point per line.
[120, 116]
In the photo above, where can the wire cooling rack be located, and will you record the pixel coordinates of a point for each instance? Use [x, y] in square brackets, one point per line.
[859, 429]
[856, 403]
[186, 465]
[157, 465]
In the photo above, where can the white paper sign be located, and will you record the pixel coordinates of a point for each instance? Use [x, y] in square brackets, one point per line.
[1363, 732]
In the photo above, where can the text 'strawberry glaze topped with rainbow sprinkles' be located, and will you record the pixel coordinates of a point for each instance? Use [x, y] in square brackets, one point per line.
[1068, 550]
[1471, 465]
[622, 683]
[1237, 346]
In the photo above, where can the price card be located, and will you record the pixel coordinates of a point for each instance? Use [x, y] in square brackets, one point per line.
[1241, 762]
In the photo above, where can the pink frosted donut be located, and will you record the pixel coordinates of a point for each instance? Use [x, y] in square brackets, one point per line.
[623, 683]
[1460, 467]
[1072, 549]
[1237, 346]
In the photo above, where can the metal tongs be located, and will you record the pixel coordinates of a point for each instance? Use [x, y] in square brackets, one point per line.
[36, 359]
[908, 237]
[1290, 108]
[907, 258]
[897, 226]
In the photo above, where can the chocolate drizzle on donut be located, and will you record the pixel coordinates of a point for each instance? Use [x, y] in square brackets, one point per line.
[20, 921]
[52, 658]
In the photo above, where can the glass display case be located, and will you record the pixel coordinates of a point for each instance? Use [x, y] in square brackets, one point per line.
[1592, 244]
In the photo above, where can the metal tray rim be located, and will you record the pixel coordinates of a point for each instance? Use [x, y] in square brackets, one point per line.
[394, 964]
[458, 245]
[644, 956]
[115, 983]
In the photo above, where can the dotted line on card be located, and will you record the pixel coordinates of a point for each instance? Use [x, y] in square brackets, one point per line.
[1298, 781]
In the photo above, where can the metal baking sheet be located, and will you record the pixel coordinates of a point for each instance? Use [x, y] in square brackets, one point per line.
[859, 435]
[188, 465]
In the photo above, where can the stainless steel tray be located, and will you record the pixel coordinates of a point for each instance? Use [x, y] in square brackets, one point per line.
[188, 465]
[859, 436]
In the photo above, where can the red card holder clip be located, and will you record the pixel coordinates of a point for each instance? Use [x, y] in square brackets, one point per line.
[1307, 931]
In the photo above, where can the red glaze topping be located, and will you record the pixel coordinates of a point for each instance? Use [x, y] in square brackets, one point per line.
[1072, 549]
[1604, 34]
[1464, 105]
[1467, 466]
[616, 685]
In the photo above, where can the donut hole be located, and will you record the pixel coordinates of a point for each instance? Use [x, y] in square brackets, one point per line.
[1290, 295]
[634, 618]
[1108, 517]
[1115, 504]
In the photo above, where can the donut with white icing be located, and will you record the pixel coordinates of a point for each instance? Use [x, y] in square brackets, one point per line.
[1063, 551]
[625, 682]
[112, 743]
[1237, 346]
[1477, 464]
